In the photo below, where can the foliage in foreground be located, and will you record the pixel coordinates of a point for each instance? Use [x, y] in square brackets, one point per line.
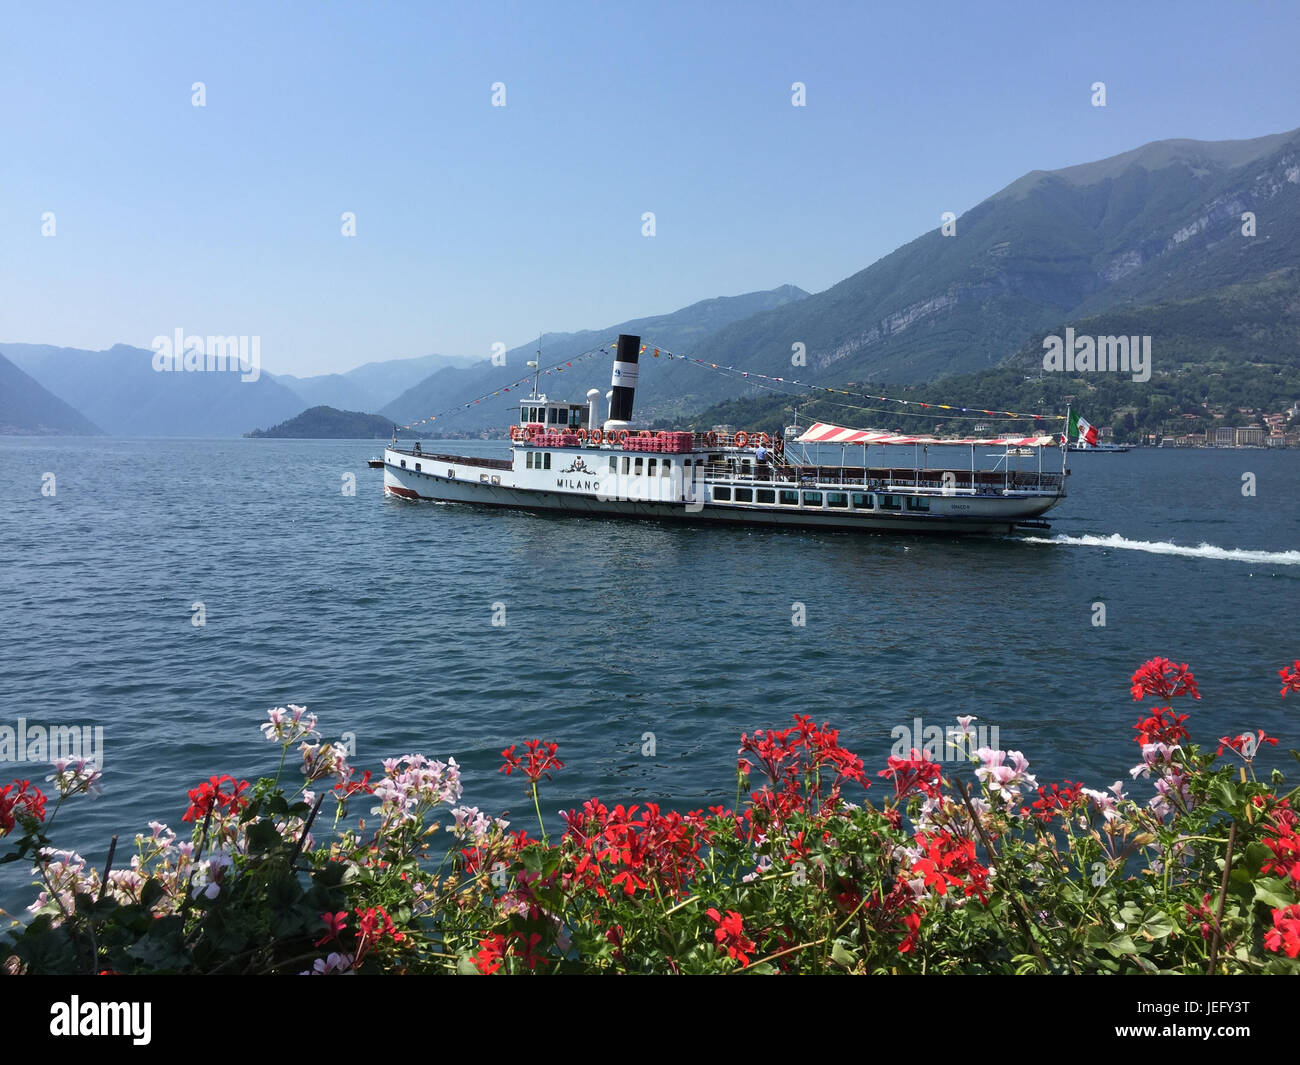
[952, 871]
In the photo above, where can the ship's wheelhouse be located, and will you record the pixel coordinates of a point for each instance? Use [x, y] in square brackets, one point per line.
[552, 414]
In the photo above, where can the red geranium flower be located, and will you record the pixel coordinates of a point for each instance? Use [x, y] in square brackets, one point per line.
[913, 923]
[1243, 743]
[946, 860]
[352, 787]
[491, 954]
[540, 757]
[1164, 679]
[334, 923]
[1053, 797]
[493, 950]
[1290, 678]
[1285, 933]
[730, 934]
[27, 800]
[209, 796]
[916, 773]
[1162, 726]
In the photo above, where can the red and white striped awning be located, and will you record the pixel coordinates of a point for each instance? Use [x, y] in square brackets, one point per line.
[823, 433]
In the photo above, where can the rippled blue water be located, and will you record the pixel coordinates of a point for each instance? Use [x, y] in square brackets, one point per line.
[377, 615]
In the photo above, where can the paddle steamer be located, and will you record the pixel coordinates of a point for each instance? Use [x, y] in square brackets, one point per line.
[565, 458]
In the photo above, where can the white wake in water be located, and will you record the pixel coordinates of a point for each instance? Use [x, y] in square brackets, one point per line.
[1160, 547]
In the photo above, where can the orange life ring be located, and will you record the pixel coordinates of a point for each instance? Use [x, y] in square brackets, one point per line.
[596, 437]
[764, 439]
[582, 436]
[711, 438]
[527, 432]
[514, 432]
[622, 436]
[742, 438]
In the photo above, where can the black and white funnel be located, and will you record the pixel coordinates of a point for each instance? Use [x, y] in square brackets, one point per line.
[623, 382]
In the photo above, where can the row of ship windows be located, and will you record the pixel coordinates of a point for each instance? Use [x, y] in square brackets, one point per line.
[784, 497]
[541, 460]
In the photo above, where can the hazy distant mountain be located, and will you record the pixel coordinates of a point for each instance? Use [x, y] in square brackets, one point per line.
[1161, 222]
[390, 378]
[330, 390]
[370, 386]
[326, 423]
[27, 407]
[684, 328]
[121, 392]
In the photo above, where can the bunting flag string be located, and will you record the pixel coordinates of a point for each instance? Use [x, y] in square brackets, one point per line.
[972, 413]
[918, 408]
[559, 367]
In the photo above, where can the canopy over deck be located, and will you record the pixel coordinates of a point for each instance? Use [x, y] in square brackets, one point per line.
[824, 433]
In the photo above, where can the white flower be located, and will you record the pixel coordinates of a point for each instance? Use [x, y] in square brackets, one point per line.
[74, 775]
[289, 725]
[1154, 755]
[1102, 801]
[1001, 778]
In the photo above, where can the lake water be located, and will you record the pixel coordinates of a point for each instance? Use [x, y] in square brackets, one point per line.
[377, 614]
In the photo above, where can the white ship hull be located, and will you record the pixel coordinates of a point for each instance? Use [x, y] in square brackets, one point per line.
[593, 491]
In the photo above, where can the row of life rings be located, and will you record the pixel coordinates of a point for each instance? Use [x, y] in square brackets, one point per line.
[619, 436]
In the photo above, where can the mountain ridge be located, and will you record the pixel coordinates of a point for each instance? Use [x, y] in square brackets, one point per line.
[29, 408]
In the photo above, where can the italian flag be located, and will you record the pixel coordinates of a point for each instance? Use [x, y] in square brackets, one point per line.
[1084, 430]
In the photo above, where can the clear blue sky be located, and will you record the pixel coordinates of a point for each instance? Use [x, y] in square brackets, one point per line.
[478, 224]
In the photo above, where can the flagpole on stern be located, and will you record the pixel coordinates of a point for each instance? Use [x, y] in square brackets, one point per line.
[1065, 446]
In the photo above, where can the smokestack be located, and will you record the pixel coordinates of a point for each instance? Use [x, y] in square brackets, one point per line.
[593, 406]
[623, 381]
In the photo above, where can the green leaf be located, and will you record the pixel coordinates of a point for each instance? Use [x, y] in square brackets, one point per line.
[841, 955]
[1121, 945]
[1272, 893]
[1157, 925]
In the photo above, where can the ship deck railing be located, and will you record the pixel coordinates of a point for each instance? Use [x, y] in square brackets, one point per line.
[941, 481]
[472, 460]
